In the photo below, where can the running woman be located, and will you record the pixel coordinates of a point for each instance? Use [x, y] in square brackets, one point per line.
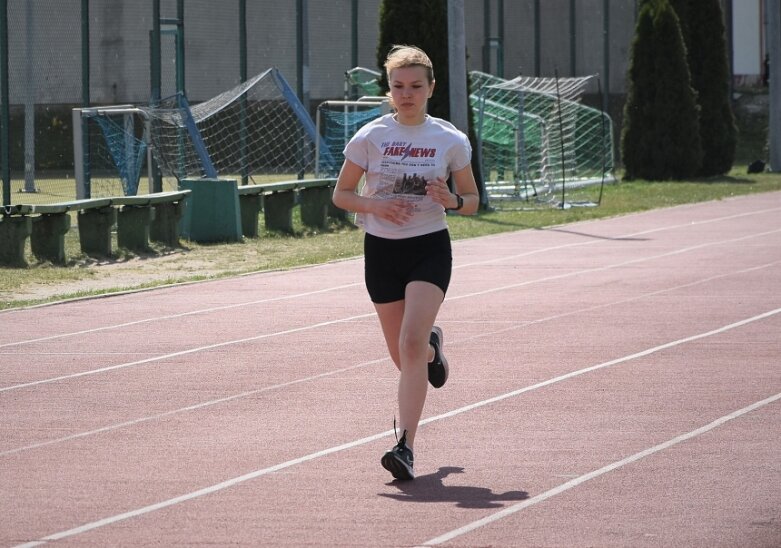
[407, 157]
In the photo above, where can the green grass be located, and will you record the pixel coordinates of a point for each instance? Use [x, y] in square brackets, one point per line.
[82, 276]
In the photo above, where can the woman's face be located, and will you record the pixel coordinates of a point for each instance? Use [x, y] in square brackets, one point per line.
[410, 91]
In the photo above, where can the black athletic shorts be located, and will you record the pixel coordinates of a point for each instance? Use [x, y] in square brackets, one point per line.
[391, 264]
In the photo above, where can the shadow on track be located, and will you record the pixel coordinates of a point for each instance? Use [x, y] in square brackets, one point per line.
[430, 488]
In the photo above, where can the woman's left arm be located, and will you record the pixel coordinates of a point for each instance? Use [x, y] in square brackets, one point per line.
[465, 186]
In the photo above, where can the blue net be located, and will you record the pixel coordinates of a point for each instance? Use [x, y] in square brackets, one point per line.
[338, 125]
[126, 150]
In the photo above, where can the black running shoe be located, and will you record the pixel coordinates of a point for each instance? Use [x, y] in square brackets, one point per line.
[398, 461]
[437, 368]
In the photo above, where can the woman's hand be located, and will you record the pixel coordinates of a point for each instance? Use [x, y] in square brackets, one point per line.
[394, 210]
[437, 190]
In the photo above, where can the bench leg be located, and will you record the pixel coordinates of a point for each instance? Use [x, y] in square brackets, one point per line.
[278, 211]
[314, 206]
[133, 227]
[250, 205]
[95, 230]
[165, 225]
[13, 234]
[48, 237]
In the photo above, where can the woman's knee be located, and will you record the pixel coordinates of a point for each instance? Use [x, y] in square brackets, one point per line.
[413, 346]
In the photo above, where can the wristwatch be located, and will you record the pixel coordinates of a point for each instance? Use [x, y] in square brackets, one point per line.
[459, 204]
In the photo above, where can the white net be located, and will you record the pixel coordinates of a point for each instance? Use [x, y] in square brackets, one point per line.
[257, 130]
[537, 143]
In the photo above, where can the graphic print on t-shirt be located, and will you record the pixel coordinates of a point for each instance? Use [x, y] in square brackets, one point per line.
[406, 169]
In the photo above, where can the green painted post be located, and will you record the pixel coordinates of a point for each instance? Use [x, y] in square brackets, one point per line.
[537, 39]
[500, 34]
[302, 67]
[155, 76]
[5, 116]
[606, 55]
[354, 33]
[180, 46]
[85, 96]
[573, 46]
[243, 76]
[155, 80]
[487, 36]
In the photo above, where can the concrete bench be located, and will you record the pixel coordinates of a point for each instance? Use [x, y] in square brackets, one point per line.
[278, 199]
[148, 217]
[138, 219]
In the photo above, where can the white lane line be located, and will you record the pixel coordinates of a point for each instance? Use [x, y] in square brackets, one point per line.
[185, 352]
[508, 326]
[193, 407]
[610, 266]
[325, 290]
[603, 239]
[363, 316]
[181, 315]
[515, 508]
[363, 441]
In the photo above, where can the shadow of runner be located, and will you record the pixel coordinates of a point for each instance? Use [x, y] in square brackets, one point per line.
[429, 488]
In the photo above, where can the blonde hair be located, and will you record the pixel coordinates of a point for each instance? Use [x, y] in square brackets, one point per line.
[401, 56]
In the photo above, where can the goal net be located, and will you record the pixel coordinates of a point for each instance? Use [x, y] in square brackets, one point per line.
[110, 150]
[360, 81]
[537, 144]
[257, 131]
[337, 122]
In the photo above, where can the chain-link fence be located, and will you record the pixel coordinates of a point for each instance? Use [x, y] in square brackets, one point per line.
[64, 54]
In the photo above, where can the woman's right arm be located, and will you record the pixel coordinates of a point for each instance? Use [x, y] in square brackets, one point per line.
[345, 197]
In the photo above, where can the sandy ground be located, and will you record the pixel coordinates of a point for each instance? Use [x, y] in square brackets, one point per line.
[120, 276]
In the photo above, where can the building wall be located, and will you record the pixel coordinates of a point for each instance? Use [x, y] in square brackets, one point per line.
[45, 44]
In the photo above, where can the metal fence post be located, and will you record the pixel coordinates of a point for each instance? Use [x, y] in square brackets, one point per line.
[5, 111]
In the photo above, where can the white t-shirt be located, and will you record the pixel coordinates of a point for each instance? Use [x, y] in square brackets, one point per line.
[398, 161]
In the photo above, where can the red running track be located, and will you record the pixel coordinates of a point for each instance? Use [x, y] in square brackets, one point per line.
[613, 383]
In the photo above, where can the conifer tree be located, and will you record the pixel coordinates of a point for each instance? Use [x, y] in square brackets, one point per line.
[421, 23]
[704, 33]
[660, 137]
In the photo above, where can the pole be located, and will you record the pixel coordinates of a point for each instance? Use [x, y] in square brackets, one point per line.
[29, 100]
[155, 77]
[457, 64]
[180, 87]
[243, 76]
[774, 51]
[302, 67]
[156, 84]
[487, 36]
[573, 46]
[84, 186]
[606, 54]
[500, 34]
[354, 33]
[537, 39]
[5, 115]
